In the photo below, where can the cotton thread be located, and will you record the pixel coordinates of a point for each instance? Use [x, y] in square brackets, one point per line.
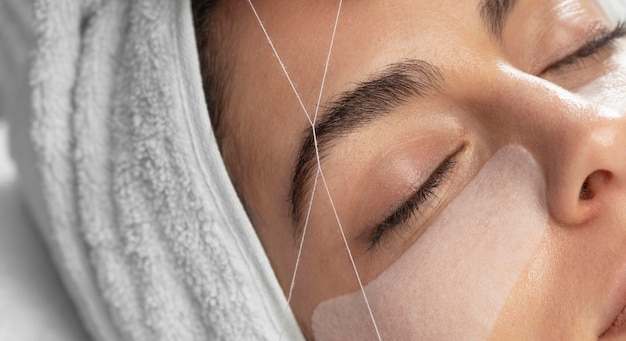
[319, 167]
[295, 270]
[280, 61]
[317, 173]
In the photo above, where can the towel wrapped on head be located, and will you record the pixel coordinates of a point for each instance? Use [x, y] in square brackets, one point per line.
[129, 187]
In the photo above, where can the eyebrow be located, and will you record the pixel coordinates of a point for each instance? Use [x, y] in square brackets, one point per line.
[494, 13]
[354, 109]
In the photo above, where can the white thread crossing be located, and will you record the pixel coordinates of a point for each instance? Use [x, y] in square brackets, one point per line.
[319, 167]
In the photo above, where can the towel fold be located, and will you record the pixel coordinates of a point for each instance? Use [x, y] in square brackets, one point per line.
[129, 188]
[132, 195]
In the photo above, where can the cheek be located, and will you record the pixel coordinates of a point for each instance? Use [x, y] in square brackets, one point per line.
[453, 282]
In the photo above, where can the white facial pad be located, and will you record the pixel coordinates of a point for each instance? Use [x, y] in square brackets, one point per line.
[452, 283]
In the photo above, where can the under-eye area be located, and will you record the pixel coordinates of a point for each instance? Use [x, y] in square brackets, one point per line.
[313, 170]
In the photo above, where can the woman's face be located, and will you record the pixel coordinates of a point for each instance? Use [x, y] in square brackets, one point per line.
[474, 153]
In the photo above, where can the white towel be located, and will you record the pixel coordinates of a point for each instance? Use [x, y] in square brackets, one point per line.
[138, 209]
[129, 188]
[615, 8]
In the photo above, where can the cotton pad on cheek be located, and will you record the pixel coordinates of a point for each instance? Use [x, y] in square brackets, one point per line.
[452, 283]
[609, 89]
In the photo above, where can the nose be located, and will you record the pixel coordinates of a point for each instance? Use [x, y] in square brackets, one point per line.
[582, 148]
[585, 166]
[579, 144]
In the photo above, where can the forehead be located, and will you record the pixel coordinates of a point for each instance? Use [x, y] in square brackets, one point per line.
[370, 35]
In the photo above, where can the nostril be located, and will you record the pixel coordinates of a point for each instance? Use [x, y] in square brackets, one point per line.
[586, 193]
[592, 183]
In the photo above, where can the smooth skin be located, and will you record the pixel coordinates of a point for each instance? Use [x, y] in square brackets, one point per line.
[499, 90]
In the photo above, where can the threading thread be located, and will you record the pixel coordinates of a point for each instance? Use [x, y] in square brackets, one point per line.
[280, 61]
[295, 270]
[319, 166]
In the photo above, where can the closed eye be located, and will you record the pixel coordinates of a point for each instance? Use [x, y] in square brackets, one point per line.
[601, 43]
[422, 196]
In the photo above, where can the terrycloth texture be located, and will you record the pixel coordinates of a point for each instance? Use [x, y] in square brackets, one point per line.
[129, 189]
[140, 214]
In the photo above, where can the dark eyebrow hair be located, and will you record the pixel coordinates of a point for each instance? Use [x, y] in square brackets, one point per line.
[494, 13]
[354, 109]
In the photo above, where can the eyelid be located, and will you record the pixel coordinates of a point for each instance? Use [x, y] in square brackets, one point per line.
[414, 203]
[605, 39]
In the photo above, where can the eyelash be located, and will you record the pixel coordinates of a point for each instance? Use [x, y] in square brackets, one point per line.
[409, 208]
[592, 48]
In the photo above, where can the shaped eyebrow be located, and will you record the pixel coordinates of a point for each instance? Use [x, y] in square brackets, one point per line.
[369, 101]
[494, 13]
